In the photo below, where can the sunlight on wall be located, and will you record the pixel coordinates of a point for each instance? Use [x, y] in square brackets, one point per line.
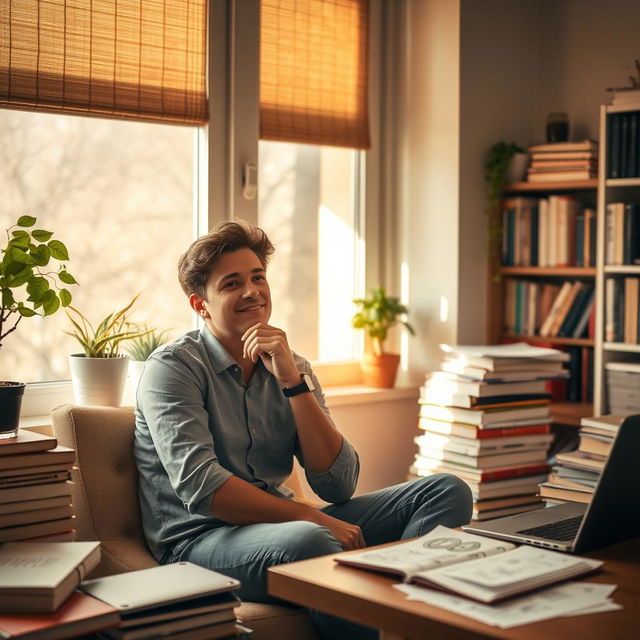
[335, 284]
[405, 336]
[444, 309]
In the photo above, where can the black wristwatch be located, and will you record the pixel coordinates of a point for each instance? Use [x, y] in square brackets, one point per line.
[305, 386]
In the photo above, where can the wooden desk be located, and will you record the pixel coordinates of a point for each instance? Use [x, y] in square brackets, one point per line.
[368, 598]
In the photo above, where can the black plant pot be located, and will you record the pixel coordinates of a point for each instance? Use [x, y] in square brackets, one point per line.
[10, 403]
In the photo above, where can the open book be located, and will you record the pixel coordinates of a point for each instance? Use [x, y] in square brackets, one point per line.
[480, 568]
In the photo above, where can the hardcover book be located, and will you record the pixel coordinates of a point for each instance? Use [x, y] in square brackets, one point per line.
[26, 442]
[38, 577]
[79, 615]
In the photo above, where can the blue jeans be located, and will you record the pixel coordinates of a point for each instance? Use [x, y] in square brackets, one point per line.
[403, 511]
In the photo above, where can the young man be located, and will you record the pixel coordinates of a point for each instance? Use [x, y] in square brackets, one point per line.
[220, 414]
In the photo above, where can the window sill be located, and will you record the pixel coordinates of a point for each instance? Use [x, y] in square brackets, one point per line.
[353, 395]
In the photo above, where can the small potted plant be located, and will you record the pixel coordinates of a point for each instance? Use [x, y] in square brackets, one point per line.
[505, 162]
[27, 289]
[377, 314]
[99, 373]
[139, 350]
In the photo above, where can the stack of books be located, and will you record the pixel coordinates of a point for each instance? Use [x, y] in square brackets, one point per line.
[575, 474]
[181, 601]
[557, 161]
[35, 489]
[37, 597]
[485, 418]
[623, 387]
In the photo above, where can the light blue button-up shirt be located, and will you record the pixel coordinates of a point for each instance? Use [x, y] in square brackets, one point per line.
[197, 424]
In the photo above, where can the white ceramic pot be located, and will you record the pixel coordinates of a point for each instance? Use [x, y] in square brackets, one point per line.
[98, 381]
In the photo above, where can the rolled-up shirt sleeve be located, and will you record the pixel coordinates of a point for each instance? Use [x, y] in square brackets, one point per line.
[172, 400]
[338, 483]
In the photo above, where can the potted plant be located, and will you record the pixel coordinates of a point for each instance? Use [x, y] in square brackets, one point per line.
[99, 373]
[500, 168]
[139, 350]
[377, 314]
[27, 289]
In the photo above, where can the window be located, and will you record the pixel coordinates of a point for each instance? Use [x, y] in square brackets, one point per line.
[309, 207]
[119, 195]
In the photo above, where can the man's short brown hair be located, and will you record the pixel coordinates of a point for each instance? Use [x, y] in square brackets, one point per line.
[195, 265]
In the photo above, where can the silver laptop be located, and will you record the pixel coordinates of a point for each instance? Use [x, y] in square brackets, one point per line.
[613, 514]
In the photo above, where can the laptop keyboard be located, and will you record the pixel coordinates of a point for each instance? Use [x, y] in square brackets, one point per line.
[562, 530]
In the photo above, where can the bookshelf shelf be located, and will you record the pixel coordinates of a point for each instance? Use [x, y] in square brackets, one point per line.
[621, 346]
[564, 185]
[575, 272]
[574, 342]
[622, 182]
[622, 268]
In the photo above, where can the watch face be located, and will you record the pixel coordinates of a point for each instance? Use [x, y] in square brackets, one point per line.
[309, 382]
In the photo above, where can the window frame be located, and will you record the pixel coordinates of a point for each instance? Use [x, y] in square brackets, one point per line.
[233, 85]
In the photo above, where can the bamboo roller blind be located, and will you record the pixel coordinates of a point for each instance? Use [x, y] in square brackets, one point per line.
[136, 59]
[313, 72]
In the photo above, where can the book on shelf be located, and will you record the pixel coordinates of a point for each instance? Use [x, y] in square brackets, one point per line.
[491, 571]
[78, 616]
[531, 504]
[25, 531]
[470, 431]
[27, 442]
[35, 492]
[473, 446]
[555, 370]
[8, 478]
[58, 456]
[501, 357]
[481, 460]
[560, 176]
[38, 577]
[488, 418]
[564, 147]
[565, 291]
[553, 493]
[37, 515]
[34, 505]
[424, 466]
[622, 142]
[448, 383]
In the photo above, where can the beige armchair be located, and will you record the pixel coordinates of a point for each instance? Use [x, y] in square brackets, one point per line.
[105, 495]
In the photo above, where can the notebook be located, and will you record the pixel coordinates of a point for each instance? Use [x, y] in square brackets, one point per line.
[612, 516]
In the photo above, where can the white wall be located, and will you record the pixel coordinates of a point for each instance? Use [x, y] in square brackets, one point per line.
[472, 73]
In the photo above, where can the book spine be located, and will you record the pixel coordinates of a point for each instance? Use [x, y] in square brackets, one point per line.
[613, 146]
[632, 163]
[580, 239]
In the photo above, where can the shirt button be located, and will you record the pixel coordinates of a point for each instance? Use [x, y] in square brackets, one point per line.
[254, 431]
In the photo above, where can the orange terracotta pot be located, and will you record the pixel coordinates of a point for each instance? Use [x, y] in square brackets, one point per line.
[380, 371]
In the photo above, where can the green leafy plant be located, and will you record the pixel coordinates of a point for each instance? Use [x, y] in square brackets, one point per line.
[496, 168]
[144, 345]
[377, 314]
[104, 341]
[23, 263]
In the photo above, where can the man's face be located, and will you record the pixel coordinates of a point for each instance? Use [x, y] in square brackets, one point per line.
[237, 294]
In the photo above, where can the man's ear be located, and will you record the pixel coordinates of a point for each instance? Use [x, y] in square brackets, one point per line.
[197, 304]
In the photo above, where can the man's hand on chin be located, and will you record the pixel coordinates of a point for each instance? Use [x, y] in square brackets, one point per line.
[270, 344]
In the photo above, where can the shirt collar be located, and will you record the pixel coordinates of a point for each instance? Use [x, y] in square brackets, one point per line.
[218, 355]
[221, 360]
